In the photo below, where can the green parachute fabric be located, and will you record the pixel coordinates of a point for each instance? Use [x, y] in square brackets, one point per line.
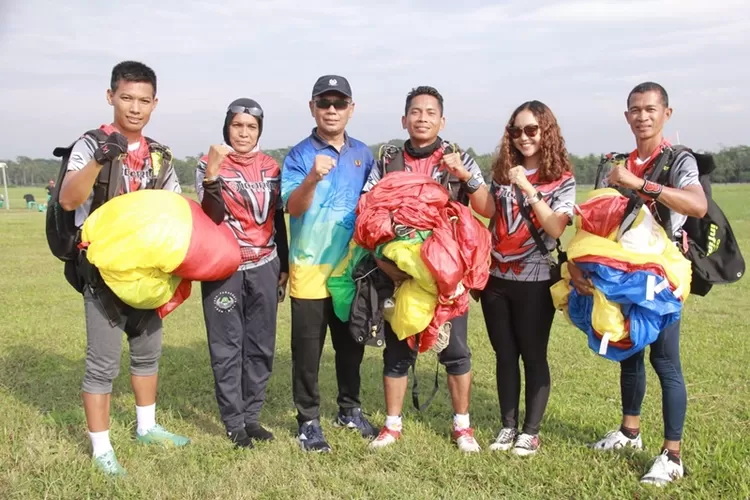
[341, 285]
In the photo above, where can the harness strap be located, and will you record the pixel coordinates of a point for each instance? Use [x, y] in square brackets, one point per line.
[415, 385]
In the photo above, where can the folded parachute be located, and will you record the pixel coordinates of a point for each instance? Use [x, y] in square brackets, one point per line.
[640, 282]
[148, 245]
[409, 219]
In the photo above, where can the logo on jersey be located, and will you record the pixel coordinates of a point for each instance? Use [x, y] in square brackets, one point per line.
[261, 196]
[137, 173]
[224, 302]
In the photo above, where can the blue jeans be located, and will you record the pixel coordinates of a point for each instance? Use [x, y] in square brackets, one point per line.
[665, 358]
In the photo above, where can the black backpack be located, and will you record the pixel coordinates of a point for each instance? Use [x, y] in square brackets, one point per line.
[373, 288]
[63, 236]
[709, 242]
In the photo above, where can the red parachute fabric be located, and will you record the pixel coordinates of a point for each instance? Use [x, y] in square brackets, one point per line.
[213, 254]
[457, 252]
[602, 215]
[413, 199]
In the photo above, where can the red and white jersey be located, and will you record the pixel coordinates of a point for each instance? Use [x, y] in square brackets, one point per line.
[250, 189]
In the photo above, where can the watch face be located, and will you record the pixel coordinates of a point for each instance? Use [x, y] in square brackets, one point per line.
[472, 185]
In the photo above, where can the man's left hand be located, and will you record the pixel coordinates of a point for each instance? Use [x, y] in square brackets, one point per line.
[621, 176]
[455, 166]
[283, 278]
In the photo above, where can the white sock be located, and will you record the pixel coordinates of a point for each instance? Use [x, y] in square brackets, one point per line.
[461, 421]
[100, 443]
[145, 417]
[393, 423]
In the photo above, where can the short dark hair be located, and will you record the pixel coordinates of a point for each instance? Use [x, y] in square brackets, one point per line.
[644, 87]
[423, 90]
[132, 71]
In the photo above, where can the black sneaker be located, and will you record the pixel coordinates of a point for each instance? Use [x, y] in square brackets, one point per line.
[240, 438]
[353, 418]
[311, 437]
[257, 433]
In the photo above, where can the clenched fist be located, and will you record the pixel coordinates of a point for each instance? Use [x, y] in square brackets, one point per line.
[455, 166]
[115, 146]
[322, 165]
[216, 155]
[621, 176]
[518, 178]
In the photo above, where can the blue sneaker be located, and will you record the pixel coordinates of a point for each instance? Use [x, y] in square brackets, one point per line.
[311, 437]
[353, 418]
[159, 435]
[108, 464]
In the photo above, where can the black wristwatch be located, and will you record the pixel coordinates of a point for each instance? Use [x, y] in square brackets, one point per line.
[472, 185]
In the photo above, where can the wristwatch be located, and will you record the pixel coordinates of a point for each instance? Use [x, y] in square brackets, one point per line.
[538, 196]
[472, 185]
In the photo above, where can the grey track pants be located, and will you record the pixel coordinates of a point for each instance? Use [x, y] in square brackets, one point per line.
[104, 347]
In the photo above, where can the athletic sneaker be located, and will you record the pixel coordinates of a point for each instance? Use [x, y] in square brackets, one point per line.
[311, 437]
[353, 418]
[526, 444]
[108, 464]
[615, 440]
[663, 471]
[257, 432]
[385, 438]
[505, 440]
[159, 435]
[464, 439]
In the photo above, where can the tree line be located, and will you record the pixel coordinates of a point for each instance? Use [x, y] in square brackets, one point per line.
[732, 165]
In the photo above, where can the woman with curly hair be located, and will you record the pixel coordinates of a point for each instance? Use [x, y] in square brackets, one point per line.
[531, 175]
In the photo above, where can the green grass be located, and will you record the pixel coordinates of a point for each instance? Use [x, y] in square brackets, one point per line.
[44, 448]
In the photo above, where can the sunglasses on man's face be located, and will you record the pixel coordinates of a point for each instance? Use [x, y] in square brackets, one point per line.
[339, 104]
[529, 130]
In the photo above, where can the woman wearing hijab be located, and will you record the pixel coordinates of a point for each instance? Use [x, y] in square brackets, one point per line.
[239, 185]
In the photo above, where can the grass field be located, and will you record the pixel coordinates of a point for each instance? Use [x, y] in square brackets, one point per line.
[45, 452]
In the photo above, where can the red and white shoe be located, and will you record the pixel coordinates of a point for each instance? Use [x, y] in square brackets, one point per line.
[386, 438]
[464, 439]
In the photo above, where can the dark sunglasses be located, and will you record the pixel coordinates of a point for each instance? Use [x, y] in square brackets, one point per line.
[339, 104]
[529, 130]
[256, 112]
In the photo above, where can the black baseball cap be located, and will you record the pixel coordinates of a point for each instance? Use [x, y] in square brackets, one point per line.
[332, 83]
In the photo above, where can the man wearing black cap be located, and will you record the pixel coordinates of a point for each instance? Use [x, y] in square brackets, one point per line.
[322, 178]
[239, 185]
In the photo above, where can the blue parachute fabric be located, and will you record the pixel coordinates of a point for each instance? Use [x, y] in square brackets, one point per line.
[647, 302]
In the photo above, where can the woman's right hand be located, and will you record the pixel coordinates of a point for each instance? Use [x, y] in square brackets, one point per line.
[216, 155]
[582, 285]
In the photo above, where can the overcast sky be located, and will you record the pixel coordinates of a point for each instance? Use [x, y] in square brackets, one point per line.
[579, 57]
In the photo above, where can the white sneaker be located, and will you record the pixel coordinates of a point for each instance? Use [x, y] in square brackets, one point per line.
[616, 439]
[464, 439]
[526, 445]
[505, 439]
[663, 471]
[386, 438]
